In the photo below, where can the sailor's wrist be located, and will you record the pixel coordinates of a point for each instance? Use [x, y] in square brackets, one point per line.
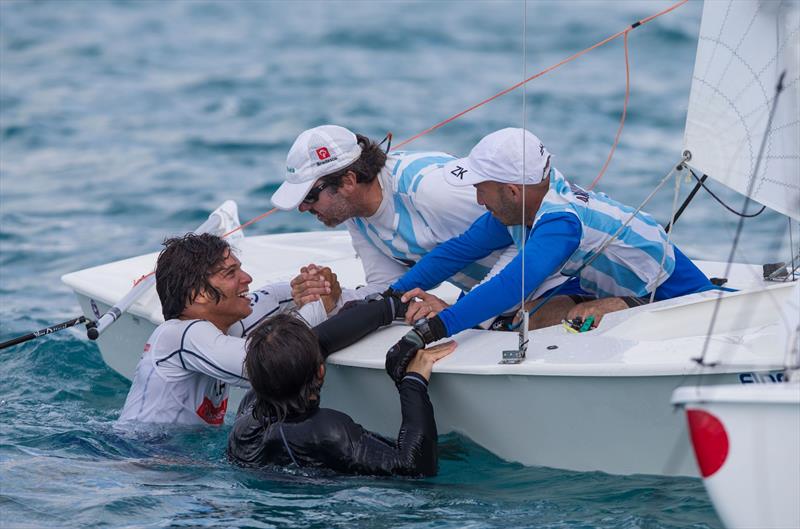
[430, 329]
[415, 377]
[414, 337]
[312, 313]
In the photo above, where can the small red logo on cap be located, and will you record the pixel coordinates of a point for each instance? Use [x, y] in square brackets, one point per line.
[322, 153]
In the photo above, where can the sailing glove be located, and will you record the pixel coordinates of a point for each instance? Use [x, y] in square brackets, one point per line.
[425, 331]
[430, 329]
[401, 353]
[394, 298]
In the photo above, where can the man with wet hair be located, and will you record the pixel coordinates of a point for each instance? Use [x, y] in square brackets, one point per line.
[280, 421]
[397, 207]
[190, 360]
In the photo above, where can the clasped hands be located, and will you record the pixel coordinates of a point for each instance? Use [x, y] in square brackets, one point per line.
[316, 283]
[422, 305]
[319, 283]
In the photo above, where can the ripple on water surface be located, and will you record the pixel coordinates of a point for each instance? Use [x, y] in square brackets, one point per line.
[71, 466]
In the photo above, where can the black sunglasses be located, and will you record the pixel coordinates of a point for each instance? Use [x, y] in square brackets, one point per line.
[313, 194]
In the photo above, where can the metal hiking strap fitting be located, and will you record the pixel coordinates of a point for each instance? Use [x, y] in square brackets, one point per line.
[514, 356]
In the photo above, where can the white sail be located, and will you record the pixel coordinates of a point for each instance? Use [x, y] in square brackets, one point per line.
[744, 47]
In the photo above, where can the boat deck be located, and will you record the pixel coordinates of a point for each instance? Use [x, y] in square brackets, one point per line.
[658, 339]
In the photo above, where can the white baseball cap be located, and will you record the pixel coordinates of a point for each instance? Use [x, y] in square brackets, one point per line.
[499, 157]
[315, 153]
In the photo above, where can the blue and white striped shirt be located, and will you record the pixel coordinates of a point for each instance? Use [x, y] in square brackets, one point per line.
[568, 229]
[632, 264]
[418, 212]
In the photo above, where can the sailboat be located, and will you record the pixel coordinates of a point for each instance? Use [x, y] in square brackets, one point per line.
[590, 401]
[746, 437]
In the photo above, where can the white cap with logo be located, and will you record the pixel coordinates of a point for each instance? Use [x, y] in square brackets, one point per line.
[499, 157]
[315, 153]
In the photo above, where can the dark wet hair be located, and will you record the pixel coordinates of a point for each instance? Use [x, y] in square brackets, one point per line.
[366, 168]
[183, 269]
[282, 364]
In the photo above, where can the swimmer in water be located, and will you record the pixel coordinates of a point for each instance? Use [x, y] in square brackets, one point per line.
[280, 421]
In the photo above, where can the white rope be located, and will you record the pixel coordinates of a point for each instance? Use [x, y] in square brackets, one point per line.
[666, 244]
[523, 342]
[791, 247]
[524, 111]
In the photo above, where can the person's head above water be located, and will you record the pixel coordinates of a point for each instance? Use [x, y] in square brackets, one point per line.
[331, 173]
[285, 368]
[199, 277]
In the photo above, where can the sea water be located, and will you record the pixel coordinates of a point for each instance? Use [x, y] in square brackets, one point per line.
[123, 122]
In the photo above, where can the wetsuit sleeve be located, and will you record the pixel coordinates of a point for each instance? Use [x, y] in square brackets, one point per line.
[481, 239]
[205, 349]
[413, 454]
[349, 326]
[554, 238]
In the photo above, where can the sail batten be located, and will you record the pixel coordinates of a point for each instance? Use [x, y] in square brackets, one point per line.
[743, 48]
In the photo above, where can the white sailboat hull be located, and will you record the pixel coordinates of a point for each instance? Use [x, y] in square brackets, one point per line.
[618, 425]
[747, 442]
[591, 401]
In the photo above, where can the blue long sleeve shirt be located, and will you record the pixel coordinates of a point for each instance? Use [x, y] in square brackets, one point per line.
[553, 240]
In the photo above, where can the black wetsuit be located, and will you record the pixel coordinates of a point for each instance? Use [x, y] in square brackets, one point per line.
[330, 439]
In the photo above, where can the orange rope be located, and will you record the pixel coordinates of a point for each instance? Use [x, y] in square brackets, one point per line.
[252, 221]
[137, 281]
[510, 89]
[546, 70]
[622, 119]
[624, 33]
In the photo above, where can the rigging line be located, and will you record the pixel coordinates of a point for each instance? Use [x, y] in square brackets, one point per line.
[524, 121]
[523, 83]
[745, 215]
[665, 246]
[624, 113]
[791, 247]
[740, 225]
[543, 72]
[251, 221]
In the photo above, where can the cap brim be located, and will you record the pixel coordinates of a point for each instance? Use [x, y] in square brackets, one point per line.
[460, 173]
[289, 195]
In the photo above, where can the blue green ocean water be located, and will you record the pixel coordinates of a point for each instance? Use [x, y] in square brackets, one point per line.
[122, 122]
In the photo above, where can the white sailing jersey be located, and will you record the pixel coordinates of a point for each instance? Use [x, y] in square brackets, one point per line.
[187, 366]
[419, 210]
